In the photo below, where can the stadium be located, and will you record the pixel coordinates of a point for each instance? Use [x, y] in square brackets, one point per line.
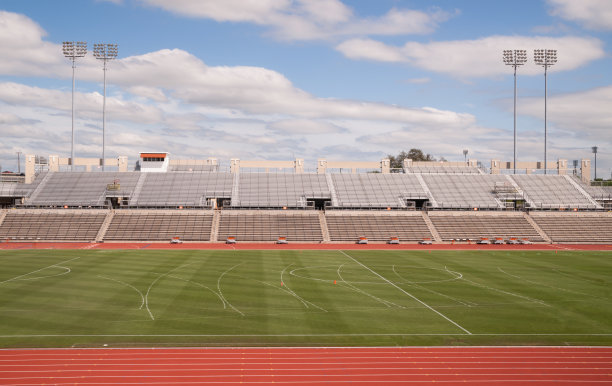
[275, 269]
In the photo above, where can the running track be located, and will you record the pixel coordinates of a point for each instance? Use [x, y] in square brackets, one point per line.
[360, 365]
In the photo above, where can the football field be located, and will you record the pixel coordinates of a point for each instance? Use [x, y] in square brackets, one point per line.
[93, 298]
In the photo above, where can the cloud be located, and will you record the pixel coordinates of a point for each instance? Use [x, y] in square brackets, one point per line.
[87, 105]
[307, 19]
[304, 127]
[586, 112]
[592, 14]
[475, 58]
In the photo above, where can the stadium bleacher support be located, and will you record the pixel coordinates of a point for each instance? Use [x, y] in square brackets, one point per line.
[379, 226]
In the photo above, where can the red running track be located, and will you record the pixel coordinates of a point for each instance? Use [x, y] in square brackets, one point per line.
[361, 365]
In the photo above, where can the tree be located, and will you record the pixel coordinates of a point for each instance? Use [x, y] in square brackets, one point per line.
[414, 154]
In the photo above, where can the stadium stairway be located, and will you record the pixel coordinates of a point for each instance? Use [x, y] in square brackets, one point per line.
[583, 192]
[324, 229]
[214, 229]
[104, 227]
[432, 228]
[3, 213]
[535, 226]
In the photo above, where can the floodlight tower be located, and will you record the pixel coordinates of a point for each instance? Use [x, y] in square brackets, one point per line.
[104, 52]
[465, 152]
[515, 58]
[545, 58]
[594, 149]
[73, 50]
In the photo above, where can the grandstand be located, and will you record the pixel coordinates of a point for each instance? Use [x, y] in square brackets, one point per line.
[194, 201]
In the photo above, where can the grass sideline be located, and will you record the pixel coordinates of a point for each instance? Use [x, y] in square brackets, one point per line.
[92, 298]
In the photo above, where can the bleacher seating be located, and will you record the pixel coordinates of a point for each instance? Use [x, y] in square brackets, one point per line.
[468, 225]
[552, 192]
[576, 227]
[464, 191]
[189, 189]
[376, 190]
[269, 225]
[348, 226]
[50, 225]
[81, 188]
[443, 169]
[277, 190]
[159, 225]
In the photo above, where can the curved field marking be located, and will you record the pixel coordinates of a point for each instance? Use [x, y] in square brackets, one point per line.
[127, 285]
[354, 288]
[38, 270]
[203, 286]
[221, 292]
[68, 270]
[304, 302]
[414, 284]
[407, 293]
[576, 277]
[153, 283]
[544, 285]
[502, 291]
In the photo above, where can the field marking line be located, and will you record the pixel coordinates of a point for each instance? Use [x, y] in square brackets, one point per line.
[153, 283]
[221, 292]
[68, 270]
[544, 285]
[407, 293]
[127, 285]
[38, 270]
[354, 288]
[502, 291]
[576, 277]
[466, 303]
[201, 285]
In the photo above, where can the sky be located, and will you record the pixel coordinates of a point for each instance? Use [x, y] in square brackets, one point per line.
[286, 79]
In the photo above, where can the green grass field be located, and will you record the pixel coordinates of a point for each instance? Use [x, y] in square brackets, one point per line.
[60, 298]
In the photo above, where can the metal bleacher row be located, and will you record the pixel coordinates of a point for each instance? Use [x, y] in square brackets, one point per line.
[299, 225]
[276, 190]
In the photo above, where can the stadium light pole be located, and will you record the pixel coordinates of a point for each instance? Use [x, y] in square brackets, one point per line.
[515, 58]
[545, 58]
[73, 50]
[594, 149]
[465, 152]
[104, 52]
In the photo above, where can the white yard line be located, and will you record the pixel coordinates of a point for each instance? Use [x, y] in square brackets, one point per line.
[545, 285]
[38, 270]
[407, 293]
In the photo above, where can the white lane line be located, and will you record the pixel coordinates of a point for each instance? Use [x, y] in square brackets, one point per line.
[38, 270]
[409, 294]
[127, 285]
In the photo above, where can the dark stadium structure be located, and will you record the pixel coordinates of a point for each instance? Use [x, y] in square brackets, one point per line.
[440, 203]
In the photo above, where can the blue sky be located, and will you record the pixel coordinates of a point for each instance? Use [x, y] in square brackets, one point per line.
[284, 79]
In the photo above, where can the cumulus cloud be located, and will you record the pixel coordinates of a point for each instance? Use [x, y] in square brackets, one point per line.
[305, 127]
[592, 14]
[475, 58]
[307, 19]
